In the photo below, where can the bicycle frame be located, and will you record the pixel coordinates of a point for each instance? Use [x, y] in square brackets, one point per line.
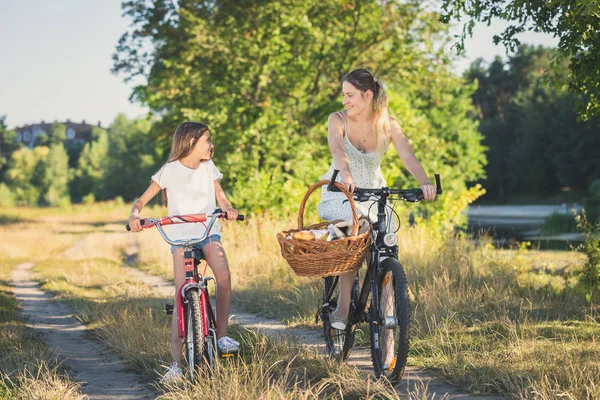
[193, 280]
[378, 248]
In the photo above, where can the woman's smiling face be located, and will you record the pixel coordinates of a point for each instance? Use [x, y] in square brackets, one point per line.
[353, 99]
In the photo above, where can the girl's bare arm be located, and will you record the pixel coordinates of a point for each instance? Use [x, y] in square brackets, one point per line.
[134, 218]
[224, 202]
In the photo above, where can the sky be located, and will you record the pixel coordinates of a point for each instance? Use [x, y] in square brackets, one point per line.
[56, 59]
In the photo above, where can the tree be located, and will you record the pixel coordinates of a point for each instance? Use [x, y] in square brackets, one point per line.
[25, 174]
[55, 178]
[8, 144]
[536, 142]
[264, 77]
[90, 173]
[130, 162]
[575, 22]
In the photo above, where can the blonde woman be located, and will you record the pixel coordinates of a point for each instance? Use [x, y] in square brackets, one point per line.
[190, 180]
[358, 138]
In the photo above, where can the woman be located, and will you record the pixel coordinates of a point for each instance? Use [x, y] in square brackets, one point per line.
[358, 138]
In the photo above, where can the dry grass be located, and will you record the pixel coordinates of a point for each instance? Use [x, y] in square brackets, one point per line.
[489, 320]
[28, 370]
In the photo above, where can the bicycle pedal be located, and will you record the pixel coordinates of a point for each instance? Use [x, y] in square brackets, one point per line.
[169, 309]
[229, 355]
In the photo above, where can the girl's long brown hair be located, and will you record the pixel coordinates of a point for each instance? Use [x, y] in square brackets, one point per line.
[364, 80]
[185, 138]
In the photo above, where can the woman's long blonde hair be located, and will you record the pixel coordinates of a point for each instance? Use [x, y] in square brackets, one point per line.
[185, 138]
[364, 80]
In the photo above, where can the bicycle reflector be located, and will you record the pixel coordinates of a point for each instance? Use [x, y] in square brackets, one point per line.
[390, 239]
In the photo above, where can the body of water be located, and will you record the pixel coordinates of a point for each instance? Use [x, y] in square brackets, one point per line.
[510, 223]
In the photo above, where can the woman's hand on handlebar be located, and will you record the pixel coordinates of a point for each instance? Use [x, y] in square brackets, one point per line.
[348, 182]
[134, 223]
[231, 213]
[429, 190]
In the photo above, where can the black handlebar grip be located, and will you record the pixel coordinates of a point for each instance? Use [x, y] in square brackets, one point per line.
[141, 223]
[331, 187]
[240, 217]
[438, 184]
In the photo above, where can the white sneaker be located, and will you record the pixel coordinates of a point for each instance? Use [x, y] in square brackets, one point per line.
[173, 372]
[227, 345]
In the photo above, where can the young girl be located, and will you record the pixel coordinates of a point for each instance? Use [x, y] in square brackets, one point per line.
[190, 182]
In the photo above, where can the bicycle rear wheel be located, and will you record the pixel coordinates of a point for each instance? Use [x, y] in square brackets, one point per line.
[390, 330]
[338, 342]
[194, 341]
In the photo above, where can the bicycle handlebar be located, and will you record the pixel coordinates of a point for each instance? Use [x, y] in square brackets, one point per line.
[182, 219]
[411, 195]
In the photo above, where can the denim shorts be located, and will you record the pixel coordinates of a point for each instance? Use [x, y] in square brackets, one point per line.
[199, 246]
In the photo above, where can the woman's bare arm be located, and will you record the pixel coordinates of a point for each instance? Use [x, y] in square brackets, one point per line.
[407, 155]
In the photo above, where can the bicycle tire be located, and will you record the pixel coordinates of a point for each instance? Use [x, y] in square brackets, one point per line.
[194, 342]
[338, 343]
[384, 327]
[210, 349]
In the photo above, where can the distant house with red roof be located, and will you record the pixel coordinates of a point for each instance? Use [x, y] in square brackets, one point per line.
[76, 132]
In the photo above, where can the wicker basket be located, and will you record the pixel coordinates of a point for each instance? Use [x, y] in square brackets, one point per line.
[320, 257]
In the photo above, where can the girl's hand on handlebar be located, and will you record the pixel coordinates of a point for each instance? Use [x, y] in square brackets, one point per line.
[134, 223]
[429, 190]
[231, 213]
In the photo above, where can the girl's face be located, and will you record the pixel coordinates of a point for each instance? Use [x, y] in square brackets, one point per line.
[204, 147]
[354, 100]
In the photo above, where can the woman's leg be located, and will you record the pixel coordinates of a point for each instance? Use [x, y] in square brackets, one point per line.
[179, 274]
[343, 306]
[217, 261]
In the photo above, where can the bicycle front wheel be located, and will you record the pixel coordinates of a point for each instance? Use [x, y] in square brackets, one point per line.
[390, 322]
[194, 341]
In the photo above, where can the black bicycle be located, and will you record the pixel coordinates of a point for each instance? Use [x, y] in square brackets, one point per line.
[382, 301]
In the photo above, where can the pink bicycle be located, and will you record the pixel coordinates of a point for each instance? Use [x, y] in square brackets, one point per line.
[196, 317]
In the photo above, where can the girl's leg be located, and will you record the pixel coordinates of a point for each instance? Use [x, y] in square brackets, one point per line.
[217, 261]
[179, 274]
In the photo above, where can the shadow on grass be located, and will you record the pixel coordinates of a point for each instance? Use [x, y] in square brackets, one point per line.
[7, 220]
[271, 299]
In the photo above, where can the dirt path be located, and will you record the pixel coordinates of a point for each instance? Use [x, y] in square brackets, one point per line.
[414, 379]
[102, 374]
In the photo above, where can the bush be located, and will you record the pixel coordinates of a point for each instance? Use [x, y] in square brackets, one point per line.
[590, 275]
[592, 201]
[7, 199]
[88, 199]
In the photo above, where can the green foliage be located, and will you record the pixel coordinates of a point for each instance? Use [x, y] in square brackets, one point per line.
[574, 22]
[88, 177]
[24, 174]
[130, 162]
[592, 201]
[8, 144]
[39, 176]
[536, 143]
[57, 135]
[55, 183]
[7, 199]
[265, 76]
[590, 275]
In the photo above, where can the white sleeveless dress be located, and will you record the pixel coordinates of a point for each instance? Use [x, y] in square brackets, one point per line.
[366, 172]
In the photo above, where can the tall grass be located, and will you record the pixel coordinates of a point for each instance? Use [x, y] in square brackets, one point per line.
[28, 369]
[488, 320]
